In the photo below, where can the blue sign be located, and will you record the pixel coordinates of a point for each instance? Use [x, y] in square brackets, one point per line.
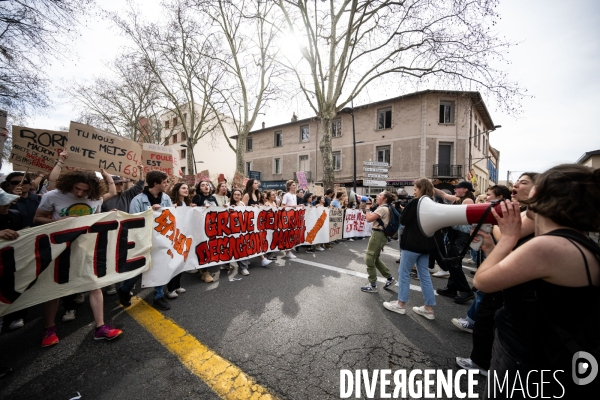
[272, 185]
[254, 175]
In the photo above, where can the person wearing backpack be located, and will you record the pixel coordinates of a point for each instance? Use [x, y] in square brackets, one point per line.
[415, 248]
[551, 288]
[381, 217]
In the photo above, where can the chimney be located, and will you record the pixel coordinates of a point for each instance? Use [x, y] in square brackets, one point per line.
[294, 118]
[263, 125]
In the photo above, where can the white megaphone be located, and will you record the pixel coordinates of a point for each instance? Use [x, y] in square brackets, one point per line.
[433, 216]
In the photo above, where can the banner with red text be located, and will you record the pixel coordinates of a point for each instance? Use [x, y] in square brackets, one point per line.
[187, 238]
[73, 255]
[356, 225]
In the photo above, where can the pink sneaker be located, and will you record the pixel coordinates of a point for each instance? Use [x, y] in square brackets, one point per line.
[106, 332]
[50, 338]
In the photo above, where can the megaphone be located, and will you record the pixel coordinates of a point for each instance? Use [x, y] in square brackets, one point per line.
[352, 197]
[363, 199]
[433, 216]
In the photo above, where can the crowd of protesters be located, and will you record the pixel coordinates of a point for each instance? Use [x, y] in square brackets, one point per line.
[540, 251]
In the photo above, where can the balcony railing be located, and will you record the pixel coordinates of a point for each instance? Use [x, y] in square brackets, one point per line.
[447, 171]
[308, 176]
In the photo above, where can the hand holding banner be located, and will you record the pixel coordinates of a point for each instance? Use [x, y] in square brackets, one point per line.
[95, 149]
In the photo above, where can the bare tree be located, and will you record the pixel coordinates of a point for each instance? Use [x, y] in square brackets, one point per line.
[247, 55]
[175, 54]
[126, 103]
[32, 34]
[348, 45]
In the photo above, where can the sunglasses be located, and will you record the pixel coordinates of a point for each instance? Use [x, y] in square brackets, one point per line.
[15, 183]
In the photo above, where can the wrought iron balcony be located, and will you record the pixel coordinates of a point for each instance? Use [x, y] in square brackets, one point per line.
[447, 171]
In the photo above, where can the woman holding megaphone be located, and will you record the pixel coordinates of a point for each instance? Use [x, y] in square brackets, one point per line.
[415, 248]
[551, 285]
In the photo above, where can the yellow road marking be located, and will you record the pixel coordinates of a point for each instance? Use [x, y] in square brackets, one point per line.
[224, 378]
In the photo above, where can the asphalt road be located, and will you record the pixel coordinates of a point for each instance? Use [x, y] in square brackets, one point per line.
[291, 326]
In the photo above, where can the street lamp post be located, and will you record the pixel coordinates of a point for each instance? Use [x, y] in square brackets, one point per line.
[349, 110]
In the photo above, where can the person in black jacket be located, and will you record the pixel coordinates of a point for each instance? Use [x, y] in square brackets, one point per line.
[415, 248]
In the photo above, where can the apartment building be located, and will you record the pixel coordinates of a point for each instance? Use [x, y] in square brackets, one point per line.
[437, 134]
[211, 153]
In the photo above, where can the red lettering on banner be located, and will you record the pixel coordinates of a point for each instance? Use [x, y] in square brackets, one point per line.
[181, 243]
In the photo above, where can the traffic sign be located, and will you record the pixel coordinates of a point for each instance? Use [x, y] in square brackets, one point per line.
[367, 169]
[376, 164]
[367, 182]
[376, 176]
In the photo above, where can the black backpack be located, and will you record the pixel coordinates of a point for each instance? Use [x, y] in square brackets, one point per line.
[392, 228]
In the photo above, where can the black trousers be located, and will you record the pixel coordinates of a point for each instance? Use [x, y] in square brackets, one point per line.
[483, 331]
[174, 283]
[457, 281]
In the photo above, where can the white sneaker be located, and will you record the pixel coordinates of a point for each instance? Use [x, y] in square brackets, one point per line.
[69, 316]
[79, 299]
[441, 274]
[319, 248]
[180, 290]
[192, 271]
[171, 295]
[463, 324]
[245, 272]
[466, 363]
[393, 306]
[265, 262]
[422, 311]
[289, 255]
[110, 290]
[351, 240]
[16, 324]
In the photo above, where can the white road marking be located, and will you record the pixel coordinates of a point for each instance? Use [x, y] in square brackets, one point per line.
[347, 272]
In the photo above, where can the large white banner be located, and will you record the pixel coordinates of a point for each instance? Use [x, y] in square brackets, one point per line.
[356, 225]
[188, 238]
[73, 255]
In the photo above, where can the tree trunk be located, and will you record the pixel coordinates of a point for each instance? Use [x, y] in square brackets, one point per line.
[239, 152]
[326, 152]
[191, 165]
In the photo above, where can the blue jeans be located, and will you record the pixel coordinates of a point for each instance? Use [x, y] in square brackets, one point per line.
[474, 306]
[407, 260]
[128, 284]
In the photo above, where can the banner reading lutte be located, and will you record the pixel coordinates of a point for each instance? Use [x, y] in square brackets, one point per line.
[73, 255]
[94, 149]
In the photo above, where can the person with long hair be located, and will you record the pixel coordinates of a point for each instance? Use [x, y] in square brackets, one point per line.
[180, 197]
[551, 283]
[480, 321]
[377, 241]
[221, 194]
[415, 248]
[204, 195]
[458, 288]
[271, 199]
[251, 193]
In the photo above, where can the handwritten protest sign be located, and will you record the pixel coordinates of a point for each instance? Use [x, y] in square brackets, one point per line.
[188, 238]
[92, 148]
[160, 158]
[336, 224]
[302, 182]
[189, 180]
[238, 180]
[36, 149]
[355, 224]
[202, 176]
[318, 191]
[73, 255]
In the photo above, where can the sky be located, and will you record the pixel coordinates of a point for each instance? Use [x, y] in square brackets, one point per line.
[557, 60]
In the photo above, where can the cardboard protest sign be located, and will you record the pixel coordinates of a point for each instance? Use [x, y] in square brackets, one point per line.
[302, 182]
[189, 180]
[336, 224]
[36, 149]
[238, 180]
[186, 238]
[73, 255]
[318, 191]
[94, 149]
[160, 158]
[202, 176]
